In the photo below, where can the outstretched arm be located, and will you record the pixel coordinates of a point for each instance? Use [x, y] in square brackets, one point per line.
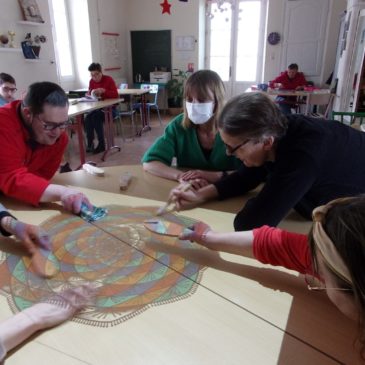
[160, 169]
[238, 243]
[56, 310]
[71, 199]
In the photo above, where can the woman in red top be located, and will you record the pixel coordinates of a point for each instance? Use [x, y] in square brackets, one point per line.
[333, 252]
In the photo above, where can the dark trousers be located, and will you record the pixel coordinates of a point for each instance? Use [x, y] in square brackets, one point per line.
[95, 121]
[286, 103]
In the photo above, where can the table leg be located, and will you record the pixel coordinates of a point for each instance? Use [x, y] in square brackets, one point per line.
[80, 136]
[145, 121]
[109, 131]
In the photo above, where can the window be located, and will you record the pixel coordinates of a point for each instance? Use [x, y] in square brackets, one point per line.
[235, 40]
[62, 38]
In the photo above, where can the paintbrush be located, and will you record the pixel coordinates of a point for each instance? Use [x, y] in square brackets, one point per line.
[170, 205]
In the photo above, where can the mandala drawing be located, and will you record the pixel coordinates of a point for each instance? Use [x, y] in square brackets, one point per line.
[116, 253]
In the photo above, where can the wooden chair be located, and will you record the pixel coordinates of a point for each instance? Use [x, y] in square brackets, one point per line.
[318, 100]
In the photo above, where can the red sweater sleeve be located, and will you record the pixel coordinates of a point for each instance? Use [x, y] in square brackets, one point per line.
[25, 171]
[277, 247]
[111, 91]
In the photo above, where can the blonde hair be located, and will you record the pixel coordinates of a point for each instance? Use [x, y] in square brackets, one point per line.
[201, 84]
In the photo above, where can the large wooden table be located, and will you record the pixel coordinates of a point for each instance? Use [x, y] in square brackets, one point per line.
[242, 312]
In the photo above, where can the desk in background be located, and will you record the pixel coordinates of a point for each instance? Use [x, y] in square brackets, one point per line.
[304, 94]
[78, 110]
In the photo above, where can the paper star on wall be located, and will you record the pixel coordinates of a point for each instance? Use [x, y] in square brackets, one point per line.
[165, 7]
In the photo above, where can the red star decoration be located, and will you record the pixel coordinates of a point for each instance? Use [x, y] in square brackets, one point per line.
[165, 7]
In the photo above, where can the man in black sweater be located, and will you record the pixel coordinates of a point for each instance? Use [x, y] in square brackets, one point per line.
[302, 162]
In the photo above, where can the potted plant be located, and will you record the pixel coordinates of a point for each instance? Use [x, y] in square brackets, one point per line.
[35, 42]
[175, 91]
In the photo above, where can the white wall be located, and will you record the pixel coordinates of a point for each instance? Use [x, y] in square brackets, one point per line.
[276, 11]
[183, 21]
[24, 71]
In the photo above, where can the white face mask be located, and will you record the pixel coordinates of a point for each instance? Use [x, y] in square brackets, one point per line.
[200, 113]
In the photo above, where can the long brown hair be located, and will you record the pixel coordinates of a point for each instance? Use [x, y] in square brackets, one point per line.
[344, 224]
[202, 83]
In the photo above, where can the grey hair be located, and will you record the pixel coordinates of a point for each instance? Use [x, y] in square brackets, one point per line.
[253, 115]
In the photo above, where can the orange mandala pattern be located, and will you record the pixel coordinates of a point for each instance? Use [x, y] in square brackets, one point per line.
[118, 254]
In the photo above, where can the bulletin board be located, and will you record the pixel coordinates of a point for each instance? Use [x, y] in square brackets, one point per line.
[110, 51]
[150, 49]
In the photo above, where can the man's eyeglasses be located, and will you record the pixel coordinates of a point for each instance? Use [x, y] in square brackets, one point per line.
[50, 126]
[8, 89]
[315, 284]
[231, 150]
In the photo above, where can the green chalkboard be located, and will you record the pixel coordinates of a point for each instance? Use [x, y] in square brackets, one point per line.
[150, 49]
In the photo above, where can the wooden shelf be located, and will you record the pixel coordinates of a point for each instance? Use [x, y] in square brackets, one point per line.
[36, 60]
[7, 49]
[25, 22]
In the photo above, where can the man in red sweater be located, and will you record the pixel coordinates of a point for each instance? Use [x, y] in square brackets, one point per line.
[290, 79]
[103, 87]
[32, 142]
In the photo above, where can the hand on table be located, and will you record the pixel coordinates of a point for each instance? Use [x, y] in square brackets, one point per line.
[73, 199]
[61, 307]
[98, 92]
[208, 176]
[31, 236]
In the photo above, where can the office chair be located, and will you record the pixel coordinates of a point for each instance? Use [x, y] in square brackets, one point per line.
[153, 90]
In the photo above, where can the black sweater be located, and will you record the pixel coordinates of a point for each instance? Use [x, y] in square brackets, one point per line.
[316, 161]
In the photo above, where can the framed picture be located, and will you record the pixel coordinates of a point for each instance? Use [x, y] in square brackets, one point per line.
[31, 11]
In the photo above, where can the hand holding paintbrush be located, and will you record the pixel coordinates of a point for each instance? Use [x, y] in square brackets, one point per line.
[170, 205]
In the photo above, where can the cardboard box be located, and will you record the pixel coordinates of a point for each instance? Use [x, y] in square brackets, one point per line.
[160, 77]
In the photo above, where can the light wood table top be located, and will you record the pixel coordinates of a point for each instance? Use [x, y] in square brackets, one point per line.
[238, 314]
[146, 185]
[86, 106]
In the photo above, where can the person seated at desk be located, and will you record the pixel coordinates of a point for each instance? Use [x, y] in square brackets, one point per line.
[290, 79]
[32, 142]
[300, 162]
[331, 256]
[51, 312]
[193, 137]
[103, 87]
[7, 88]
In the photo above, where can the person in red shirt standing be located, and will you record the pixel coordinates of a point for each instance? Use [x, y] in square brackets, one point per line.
[32, 142]
[291, 79]
[103, 87]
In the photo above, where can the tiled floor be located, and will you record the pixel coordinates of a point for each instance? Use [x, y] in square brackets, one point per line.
[131, 149]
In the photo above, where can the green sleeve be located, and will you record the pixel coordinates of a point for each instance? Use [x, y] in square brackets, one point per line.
[164, 148]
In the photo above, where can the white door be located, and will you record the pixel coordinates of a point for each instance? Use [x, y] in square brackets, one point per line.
[305, 31]
[235, 42]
